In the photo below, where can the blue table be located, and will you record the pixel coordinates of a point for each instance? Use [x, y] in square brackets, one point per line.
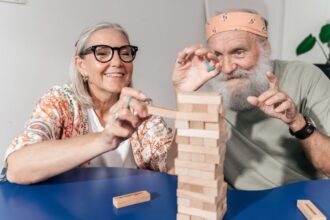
[87, 194]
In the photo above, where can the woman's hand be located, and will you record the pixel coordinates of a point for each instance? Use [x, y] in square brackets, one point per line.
[125, 117]
[194, 67]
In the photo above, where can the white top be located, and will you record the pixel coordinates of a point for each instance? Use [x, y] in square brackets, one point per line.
[120, 157]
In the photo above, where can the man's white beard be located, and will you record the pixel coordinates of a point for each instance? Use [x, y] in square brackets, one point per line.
[255, 83]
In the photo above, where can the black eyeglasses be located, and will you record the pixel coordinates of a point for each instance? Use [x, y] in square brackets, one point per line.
[104, 53]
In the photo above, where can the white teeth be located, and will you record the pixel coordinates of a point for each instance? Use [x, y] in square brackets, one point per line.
[114, 74]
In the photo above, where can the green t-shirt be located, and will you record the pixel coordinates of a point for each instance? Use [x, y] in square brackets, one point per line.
[261, 153]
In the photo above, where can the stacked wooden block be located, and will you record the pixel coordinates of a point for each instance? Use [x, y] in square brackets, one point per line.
[201, 136]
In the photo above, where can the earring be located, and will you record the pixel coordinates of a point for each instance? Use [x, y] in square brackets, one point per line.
[85, 78]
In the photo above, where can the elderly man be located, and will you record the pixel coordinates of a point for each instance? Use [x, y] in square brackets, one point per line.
[277, 113]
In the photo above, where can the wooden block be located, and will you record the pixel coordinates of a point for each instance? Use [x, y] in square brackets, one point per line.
[167, 113]
[184, 107]
[196, 165]
[181, 124]
[203, 174]
[130, 199]
[198, 133]
[181, 171]
[199, 158]
[197, 116]
[212, 126]
[180, 216]
[214, 159]
[198, 212]
[199, 98]
[196, 124]
[181, 140]
[197, 196]
[184, 202]
[184, 156]
[309, 210]
[200, 182]
[211, 142]
[200, 108]
[213, 109]
[196, 141]
[190, 187]
[199, 149]
[196, 218]
[196, 204]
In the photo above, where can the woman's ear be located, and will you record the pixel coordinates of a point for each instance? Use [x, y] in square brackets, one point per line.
[80, 65]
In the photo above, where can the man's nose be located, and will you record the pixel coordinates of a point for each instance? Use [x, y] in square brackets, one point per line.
[228, 66]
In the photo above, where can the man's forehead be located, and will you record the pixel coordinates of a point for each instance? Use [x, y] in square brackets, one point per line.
[232, 38]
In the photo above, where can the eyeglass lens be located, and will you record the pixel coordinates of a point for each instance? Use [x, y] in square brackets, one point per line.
[105, 53]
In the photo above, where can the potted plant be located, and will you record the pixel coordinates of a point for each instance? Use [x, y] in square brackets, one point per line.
[308, 43]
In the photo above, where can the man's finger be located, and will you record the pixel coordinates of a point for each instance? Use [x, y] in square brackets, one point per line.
[272, 79]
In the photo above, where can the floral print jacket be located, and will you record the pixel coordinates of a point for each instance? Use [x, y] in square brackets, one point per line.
[58, 115]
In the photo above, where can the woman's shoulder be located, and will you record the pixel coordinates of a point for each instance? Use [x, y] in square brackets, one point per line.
[60, 96]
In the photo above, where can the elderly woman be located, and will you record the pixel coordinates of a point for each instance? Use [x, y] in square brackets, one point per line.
[97, 120]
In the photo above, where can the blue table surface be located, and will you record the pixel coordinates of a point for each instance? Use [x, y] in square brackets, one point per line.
[87, 194]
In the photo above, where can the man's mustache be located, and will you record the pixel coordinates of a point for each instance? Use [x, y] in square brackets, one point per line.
[239, 73]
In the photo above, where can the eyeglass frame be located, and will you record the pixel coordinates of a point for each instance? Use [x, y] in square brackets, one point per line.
[113, 49]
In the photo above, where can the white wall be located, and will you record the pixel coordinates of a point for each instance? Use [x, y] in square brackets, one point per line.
[303, 17]
[36, 43]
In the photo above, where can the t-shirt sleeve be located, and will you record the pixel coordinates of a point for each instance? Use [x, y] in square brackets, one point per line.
[44, 124]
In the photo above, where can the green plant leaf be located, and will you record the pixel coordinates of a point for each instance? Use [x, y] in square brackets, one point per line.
[306, 45]
[325, 33]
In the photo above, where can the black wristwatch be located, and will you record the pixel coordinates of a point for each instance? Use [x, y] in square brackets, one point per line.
[306, 131]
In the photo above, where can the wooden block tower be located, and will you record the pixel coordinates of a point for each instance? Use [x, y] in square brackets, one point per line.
[201, 136]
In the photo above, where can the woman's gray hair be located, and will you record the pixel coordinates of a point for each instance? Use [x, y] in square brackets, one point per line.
[80, 88]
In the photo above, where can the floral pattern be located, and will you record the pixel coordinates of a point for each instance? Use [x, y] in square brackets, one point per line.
[58, 115]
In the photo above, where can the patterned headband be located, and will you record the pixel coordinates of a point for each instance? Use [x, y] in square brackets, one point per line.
[234, 21]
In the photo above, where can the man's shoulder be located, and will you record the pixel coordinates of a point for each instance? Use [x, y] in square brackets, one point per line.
[296, 69]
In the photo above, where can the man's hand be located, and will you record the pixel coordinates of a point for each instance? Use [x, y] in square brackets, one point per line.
[194, 67]
[277, 104]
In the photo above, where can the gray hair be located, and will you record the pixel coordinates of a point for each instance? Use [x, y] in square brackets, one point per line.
[80, 88]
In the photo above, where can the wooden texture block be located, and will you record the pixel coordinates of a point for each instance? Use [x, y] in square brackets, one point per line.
[131, 199]
[200, 213]
[213, 109]
[181, 124]
[309, 210]
[196, 218]
[196, 124]
[202, 174]
[180, 216]
[181, 140]
[197, 116]
[198, 133]
[196, 141]
[199, 149]
[197, 196]
[200, 108]
[197, 181]
[167, 113]
[196, 165]
[199, 98]
[184, 107]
